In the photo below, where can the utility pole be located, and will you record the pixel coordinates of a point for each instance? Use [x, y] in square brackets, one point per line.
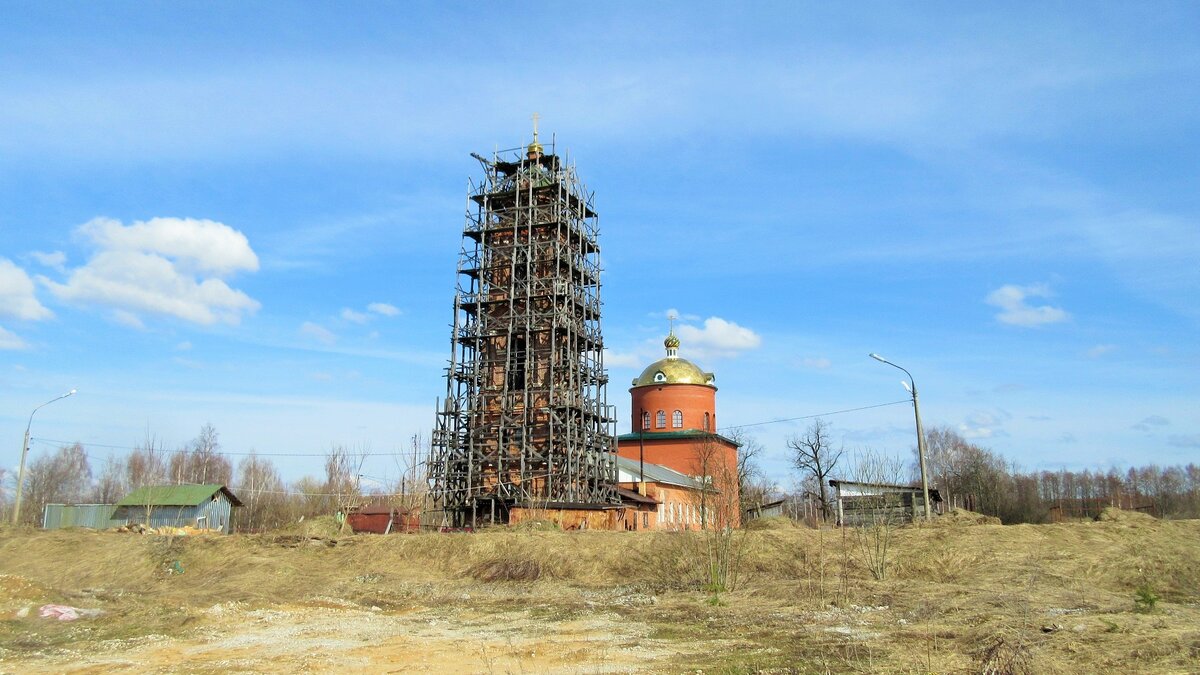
[16, 516]
[911, 386]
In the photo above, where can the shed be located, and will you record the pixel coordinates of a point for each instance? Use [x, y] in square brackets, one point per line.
[204, 507]
[383, 519]
[861, 503]
[768, 510]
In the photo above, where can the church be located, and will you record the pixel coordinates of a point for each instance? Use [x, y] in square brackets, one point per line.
[673, 455]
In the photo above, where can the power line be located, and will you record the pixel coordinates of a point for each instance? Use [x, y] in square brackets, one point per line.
[825, 414]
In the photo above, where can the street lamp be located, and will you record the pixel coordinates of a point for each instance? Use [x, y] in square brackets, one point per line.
[25, 451]
[911, 386]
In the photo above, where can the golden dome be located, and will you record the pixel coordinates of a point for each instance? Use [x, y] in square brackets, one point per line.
[534, 148]
[673, 371]
[671, 342]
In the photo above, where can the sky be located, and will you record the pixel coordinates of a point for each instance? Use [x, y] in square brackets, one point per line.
[249, 215]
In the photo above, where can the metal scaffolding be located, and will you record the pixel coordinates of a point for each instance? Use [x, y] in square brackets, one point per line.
[525, 421]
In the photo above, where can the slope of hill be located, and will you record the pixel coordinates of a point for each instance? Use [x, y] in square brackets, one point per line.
[1052, 598]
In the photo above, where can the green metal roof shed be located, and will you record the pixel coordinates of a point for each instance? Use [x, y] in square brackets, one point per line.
[207, 507]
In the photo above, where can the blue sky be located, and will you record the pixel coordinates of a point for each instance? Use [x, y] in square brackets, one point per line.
[249, 214]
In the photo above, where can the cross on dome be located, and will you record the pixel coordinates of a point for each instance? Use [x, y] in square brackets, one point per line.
[535, 149]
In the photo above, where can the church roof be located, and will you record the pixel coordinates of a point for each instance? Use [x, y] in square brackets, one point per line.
[673, 370]
[629, 470]
[689, 434]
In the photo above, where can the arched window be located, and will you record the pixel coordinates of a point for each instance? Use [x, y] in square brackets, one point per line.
[677, 419]
[707, 422]
[660, 420]
[645, 419]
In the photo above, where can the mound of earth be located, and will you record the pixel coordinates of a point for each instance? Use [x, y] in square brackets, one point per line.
[963, 518]
[1112, 514]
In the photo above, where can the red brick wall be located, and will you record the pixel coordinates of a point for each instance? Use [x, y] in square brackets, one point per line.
[692, 399]
[692, 456]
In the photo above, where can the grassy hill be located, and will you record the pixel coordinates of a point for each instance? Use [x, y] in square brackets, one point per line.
[1122, 594]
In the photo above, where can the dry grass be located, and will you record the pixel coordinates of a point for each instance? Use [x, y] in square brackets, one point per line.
[772, 523]
[986, 598]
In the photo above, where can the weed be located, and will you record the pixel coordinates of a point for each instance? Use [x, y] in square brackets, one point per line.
[1146, 599]
[1006, 656]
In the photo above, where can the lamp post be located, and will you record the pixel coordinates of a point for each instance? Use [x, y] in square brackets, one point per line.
[911, 386]
[16, 516]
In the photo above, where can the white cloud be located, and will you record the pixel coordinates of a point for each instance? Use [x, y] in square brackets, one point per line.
[821, 363]
[383, 308]
[1099, 350]
[623, 359]
[167, 266]
[56, 260]
[127, 318]
[718, 337]
[353, 316]
[318, 333]
[184, 346]
[673, 313]
[1150, 422]
[1012, 300]
[17, 297]
[199, 245]
[984, 424]
[9, 340]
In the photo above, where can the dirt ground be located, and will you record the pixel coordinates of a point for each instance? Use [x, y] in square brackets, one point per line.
[957, 599]
[340, 639]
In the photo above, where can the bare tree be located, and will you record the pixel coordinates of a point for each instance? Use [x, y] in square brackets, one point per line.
[342, 469]
[308, 498]
[146, 465]
[63, 477]
[748, 471]
[815, 455]
[7, 487]
[410, 489]
[262, 493]
[201, 461]
[111, 485]
[878, 511]
[718, 548]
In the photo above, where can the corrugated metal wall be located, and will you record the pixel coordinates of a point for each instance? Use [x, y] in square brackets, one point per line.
[211, 515]
[95, 516]
[217, 512]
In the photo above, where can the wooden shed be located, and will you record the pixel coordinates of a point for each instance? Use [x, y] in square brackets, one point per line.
[204, 507]
[861, 503]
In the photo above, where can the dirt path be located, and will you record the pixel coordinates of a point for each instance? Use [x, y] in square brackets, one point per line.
[307, 638]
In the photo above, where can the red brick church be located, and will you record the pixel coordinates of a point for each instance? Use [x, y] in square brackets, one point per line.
[674, 420]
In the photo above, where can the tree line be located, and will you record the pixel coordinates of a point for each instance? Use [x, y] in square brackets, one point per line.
[976, 478]
[66, 476]
[967, 475]
[982, 480]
